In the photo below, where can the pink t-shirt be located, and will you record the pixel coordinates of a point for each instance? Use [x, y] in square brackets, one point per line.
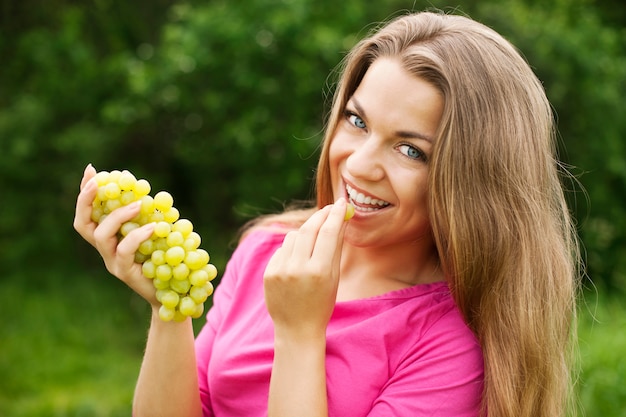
[404, 353]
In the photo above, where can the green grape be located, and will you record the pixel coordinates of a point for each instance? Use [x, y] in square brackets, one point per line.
[163, 272]
[102, 178]
[162, 229]
[163, 201]
[211, 271]
[147, 205]
[187, 306]
[194, 260]
[180, 271]
[209, 288]
[171, 215]
[174, 255]
[199, 277]
[161, 244]
[161, 285]
[175, 239]
[111, 205]
[96, 213]
[114, 175]
[184, 226]
[158, 257]
[112, 191]
[142, 188]
[198, 312]
[180, 286]
[148, 269]
[140, 258]
[166, 314]
[198, 294]
[127, 197]
[126, 181]
[146, 247]
[128, 227]
[170, 299]
[204, 256]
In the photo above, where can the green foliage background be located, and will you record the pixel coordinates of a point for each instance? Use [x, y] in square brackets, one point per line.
[222, 103]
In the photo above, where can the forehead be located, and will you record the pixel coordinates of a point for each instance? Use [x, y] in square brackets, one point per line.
[390, 94]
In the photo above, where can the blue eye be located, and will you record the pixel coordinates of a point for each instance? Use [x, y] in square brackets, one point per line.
[356, 121]
[411, 151]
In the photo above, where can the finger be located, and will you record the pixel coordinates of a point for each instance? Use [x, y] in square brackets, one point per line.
[82, 217]
[128, 246]
[307, 235]
[88, 174]
[330, 236]
[105, 235]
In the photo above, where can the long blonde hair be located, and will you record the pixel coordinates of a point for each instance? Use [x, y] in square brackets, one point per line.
[499, 217]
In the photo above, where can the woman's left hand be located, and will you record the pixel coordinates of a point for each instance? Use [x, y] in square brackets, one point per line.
[301, 278]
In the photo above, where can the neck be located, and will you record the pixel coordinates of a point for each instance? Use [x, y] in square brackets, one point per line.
[371, 271]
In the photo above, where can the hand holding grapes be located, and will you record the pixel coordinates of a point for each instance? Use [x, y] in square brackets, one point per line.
[301, 278]
[139, 237]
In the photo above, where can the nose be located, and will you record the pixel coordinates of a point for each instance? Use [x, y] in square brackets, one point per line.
[366, 160]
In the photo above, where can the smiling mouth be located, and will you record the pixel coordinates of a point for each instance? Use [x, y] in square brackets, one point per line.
[364, 203]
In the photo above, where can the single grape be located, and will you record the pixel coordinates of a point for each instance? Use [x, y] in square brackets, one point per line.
[146, 247]
[198, 312]
[198, 294]
[111, 205]
[102, 178]
[194, 260]
[174, 255]
[161, 285]
[160, 243]
[175, 238]
[126, 181]
[183, 226]
[170, 299]
[187, 306]
[127, 197]
[162, 229]
[128, 227]
[147, 205]
[171, 215]
[148, 269]
[211, 270]
[180, 271]
[112, 191]
[163, 201]
[142, 188]
[158, 257]
[166, 314]
[180, 286]
[163, 272]
[349, 212]
[199, 277]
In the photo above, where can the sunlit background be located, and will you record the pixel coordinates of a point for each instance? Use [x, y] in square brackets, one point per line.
[222, 103]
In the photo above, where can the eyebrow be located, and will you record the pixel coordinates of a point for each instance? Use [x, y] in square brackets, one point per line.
[406, 134]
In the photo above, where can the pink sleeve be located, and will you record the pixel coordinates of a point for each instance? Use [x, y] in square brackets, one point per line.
[441, 377]
[204, 341]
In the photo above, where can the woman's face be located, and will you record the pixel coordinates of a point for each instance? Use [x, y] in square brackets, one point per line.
[379, 155]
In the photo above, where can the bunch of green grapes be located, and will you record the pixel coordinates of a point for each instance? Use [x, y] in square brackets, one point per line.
[171, 257]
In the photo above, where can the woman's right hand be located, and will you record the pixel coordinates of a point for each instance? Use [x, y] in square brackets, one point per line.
[118, 256]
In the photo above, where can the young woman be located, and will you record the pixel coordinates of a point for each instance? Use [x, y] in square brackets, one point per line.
[451, 291]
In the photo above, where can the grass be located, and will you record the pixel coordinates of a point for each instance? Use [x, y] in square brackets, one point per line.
[71, 345]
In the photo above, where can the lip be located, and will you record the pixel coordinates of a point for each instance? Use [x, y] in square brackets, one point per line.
[369, 204]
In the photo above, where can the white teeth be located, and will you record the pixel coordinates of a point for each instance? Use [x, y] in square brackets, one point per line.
[361, 198]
